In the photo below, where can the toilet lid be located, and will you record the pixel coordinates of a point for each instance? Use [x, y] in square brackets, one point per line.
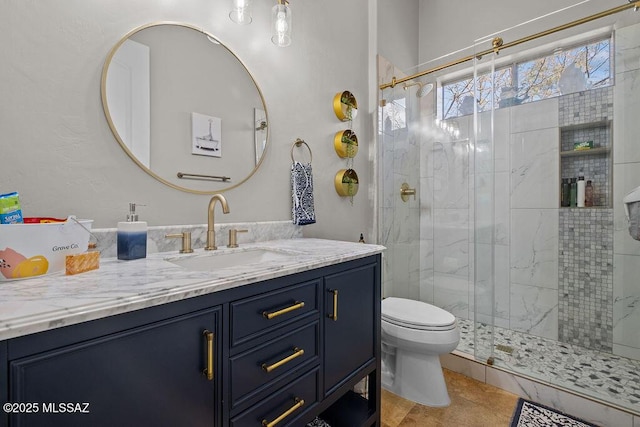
[416, 314]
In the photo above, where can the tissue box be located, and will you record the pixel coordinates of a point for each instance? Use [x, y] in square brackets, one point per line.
[34, 249]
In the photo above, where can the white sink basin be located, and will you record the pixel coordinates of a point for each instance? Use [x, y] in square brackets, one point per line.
[217, 260]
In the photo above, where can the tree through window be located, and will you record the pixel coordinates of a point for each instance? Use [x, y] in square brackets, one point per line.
[528, 81]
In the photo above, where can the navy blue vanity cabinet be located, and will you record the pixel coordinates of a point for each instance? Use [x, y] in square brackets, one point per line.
[351, 354]
[142, 375]
[349, 323]
[324, 338]
[4, 384]
[275, 354]
[282, 352]
[256, 315]
[286, 407]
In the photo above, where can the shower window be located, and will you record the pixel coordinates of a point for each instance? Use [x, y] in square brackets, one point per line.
[455, 95]
[530, 80]
[539, 78]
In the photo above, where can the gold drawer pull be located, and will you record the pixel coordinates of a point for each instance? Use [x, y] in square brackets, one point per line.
[334, 316]
[297, 353]
[299, 403]
[208, 371]
[295, 306]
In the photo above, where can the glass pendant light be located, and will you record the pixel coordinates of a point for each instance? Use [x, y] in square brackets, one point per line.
[241, 12]
[281, 24]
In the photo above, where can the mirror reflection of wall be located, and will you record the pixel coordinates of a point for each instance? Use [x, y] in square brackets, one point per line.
[260, 118]
[188, 74]
[129, 98]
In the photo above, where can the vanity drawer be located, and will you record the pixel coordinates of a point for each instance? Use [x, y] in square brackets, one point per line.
[254, 316]
[294, 400]
[273, 360]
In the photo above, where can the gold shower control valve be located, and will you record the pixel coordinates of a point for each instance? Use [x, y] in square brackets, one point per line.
[405, 192]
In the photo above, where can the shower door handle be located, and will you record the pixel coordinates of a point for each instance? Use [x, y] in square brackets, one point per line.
[405, 192]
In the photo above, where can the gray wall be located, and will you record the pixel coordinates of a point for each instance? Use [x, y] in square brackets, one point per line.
[58, 151]
[463, 24]
[398, 23]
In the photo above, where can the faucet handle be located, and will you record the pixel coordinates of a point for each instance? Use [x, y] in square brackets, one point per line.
[233, 237]
[186, 241]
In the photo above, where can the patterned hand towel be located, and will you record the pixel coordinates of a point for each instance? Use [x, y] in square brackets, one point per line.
[302, 194]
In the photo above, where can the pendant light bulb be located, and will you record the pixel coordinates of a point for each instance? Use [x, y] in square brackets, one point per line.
[281, 24]
[241, 12]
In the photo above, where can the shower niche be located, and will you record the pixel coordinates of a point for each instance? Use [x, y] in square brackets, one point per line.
[594, 163]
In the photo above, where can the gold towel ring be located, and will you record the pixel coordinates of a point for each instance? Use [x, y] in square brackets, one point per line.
[297, 143]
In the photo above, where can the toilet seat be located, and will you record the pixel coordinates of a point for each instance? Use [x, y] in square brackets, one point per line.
[416, 315]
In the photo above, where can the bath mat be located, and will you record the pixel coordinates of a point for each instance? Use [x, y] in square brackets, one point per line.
[318, 422]
[531, 414]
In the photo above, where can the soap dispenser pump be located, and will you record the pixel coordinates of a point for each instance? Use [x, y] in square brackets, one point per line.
[132, 236]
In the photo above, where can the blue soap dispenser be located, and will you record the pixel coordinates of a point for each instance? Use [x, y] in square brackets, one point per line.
[132, 236]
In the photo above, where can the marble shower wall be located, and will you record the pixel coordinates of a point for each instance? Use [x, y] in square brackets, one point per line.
[515, 202]
[447, 175]
[399, 222]
[626, 177]
[514, 199]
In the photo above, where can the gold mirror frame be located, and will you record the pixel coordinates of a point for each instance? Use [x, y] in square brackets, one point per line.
[105, 107]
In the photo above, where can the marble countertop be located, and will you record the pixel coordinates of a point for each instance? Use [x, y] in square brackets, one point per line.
[52, 301]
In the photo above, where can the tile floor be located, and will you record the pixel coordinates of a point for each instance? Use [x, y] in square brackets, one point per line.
[473, 404]
[603, 376]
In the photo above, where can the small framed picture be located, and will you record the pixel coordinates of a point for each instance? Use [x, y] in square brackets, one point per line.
[206, 135]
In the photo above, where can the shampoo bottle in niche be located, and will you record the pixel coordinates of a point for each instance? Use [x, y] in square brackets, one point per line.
[588, 194]
[573, 192]
[565, 195]
[581, 188]
[132, 236]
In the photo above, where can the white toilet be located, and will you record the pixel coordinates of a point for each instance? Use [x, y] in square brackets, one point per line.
[414, 335]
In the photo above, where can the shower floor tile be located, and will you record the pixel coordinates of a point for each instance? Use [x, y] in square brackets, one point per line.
[599, 375]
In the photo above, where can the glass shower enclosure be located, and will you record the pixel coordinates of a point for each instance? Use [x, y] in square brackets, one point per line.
[541, 286]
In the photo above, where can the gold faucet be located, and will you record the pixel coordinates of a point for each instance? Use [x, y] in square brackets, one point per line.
[211, 236]
[233, 237]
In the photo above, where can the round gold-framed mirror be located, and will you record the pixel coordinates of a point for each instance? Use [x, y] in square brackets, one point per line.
[184, 107]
